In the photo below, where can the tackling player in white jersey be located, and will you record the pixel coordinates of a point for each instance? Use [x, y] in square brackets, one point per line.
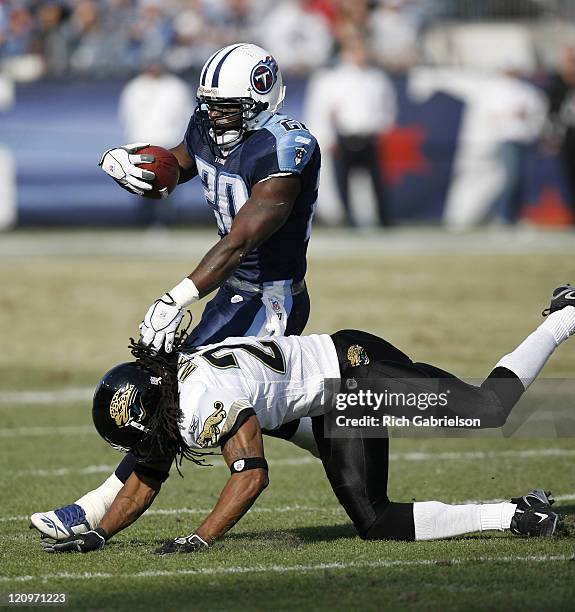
[223, 394]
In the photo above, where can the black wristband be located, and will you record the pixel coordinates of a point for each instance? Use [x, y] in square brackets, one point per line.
[250, 463]
[102, 532]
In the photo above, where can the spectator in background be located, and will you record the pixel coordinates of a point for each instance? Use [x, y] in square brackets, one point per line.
[155, 107]
[237, 21]
[49, 41]
[298, 36]
[355, 102]
[517, 113]
[87, 40]
[118, 16]
[393, 35]
[353, 14]
[8, 190]
[561, 126]
[193, 40]
[151, 34]
[18, 32]
[330, 9]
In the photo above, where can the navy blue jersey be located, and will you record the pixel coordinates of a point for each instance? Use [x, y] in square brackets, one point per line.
[282, 146]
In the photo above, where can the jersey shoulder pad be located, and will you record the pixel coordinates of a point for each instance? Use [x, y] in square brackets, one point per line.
[211, 416]
[295, 144]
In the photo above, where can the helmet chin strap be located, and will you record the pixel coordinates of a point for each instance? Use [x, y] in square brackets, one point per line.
[259, 120]
[230, 138]
[138, 426]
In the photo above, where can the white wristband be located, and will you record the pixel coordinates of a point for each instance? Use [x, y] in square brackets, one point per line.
[185, 293]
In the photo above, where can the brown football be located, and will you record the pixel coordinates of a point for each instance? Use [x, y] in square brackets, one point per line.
[166, 168]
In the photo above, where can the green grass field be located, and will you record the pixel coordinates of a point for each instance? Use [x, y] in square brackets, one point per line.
[69, 302]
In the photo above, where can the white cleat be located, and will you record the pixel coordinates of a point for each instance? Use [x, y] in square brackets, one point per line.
[61, 523]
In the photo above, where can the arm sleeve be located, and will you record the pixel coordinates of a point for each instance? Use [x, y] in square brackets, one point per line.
[158, 469]
[157, 466]
[191, 136]
[290, 155]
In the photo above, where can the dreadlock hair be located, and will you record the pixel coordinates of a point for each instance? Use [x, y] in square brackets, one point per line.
[164, 421]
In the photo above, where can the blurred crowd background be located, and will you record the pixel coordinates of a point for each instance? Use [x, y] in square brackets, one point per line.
[459, 112]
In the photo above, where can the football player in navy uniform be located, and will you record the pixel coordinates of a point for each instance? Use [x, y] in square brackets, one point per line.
[222, 395]
[260, 173]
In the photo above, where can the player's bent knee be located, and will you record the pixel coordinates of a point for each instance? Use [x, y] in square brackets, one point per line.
[363, 531]
[493, 413]
[395, 522]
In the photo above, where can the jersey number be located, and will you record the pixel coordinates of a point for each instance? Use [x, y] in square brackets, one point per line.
[291, 124]
[269, 353]
[225, 193]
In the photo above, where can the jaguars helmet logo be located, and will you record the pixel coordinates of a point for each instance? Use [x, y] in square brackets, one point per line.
[211, 432]
[357, 356]
[123, 408]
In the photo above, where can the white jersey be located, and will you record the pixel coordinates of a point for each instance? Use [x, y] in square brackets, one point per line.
[279, 379]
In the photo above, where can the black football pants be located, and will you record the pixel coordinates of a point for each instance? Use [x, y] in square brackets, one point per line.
[357, 468]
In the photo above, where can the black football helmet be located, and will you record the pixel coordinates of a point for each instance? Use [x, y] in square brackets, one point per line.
[123, 404]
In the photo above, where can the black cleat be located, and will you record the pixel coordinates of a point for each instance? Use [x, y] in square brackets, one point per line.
[535, 498]
[562, 296]
[191, 543]
[534, 515]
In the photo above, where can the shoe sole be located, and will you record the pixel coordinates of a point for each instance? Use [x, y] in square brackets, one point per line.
[37, 523]
[550, 528]
[38, 526]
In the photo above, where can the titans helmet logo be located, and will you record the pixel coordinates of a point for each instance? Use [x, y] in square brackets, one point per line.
[264, 75]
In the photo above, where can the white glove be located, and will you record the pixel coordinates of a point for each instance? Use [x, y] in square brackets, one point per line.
[160, 323]
[121, 164]
[164, 315]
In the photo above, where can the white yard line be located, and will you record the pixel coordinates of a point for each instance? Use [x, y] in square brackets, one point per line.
[330, 244]
[57, 396]
[177, 511]
[107, 469]
[89, 469]
[302, 569]
[280, 509]
[459, 455]
[65, 430]
[420, 456]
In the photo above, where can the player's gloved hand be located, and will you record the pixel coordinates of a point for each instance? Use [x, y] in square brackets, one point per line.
[163, 317]
[121, 164]
[191, 543]
[82, 542]
[160, 323]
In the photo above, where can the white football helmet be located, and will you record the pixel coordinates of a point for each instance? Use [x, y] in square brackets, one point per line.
[241, 87]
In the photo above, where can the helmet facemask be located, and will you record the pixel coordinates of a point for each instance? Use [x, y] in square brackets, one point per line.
[225, 121]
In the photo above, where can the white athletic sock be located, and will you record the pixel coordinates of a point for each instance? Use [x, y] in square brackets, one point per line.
[435, 520]
[96, 502]
[497, 516]
[528, 359]
[303, 437]
[561, 324]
